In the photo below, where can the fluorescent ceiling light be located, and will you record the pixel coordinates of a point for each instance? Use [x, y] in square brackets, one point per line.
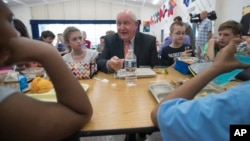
[154, 2]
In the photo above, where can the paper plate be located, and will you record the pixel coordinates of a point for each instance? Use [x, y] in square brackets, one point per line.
[50, 96]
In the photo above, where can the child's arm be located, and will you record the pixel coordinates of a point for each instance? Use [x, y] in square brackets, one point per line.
[224, 62]
[210, 50]
[24, 118]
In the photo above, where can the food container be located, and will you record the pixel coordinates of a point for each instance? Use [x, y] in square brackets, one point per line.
[161, 89]
[16, 81]
[182, 63]
[3, 74]
[34, 72]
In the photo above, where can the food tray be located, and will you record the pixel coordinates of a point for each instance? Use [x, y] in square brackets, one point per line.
[160, 90]
[36, 71]
[196, 68]
[189, 60]
[140, 72]
[50, 96]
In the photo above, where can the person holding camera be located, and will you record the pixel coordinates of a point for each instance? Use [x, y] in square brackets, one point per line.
[204, 33]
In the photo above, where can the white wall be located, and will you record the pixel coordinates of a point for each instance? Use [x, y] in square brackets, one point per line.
[96, 10]
[183, 11]
[229, 10]
[23, 13]
[77, 10]
[225, 9]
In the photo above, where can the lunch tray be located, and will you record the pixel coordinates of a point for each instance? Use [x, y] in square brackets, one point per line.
[197, 68]
[140, 72]
[160, 90]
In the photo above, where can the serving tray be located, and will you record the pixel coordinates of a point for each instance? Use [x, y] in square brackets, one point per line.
[140, 72]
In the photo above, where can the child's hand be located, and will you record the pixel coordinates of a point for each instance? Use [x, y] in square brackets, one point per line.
[225, 60]
[187, 53]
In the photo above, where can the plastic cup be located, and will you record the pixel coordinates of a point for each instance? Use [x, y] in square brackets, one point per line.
[223, 79]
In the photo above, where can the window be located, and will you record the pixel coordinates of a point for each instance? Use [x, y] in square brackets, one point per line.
[94, 31]
[94, 28]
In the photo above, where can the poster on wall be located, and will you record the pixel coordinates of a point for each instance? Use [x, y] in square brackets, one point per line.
[146, 26]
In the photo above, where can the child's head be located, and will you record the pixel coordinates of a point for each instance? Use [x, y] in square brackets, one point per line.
[72, 38]
[227, 31]
[7, 31]
[47, 36]
[84, 35]
[21, 28]
[60, 37]
[177, 32]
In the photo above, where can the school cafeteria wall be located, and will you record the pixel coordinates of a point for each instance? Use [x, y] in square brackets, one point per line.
[225, 9]
[77, 10]
[229, 10]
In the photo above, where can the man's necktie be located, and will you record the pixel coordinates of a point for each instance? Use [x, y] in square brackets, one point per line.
[126, 47]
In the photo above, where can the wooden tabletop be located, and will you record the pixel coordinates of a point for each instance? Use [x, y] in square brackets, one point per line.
[121, 109]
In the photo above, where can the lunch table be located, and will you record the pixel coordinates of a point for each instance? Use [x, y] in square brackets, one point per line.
[119, 109]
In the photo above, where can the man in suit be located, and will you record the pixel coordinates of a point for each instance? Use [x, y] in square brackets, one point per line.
[112, 57]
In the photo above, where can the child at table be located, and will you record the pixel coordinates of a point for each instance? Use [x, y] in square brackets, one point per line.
[24, 118]
[180, 117]
[73, 39]
[226, 32]
[176, 48]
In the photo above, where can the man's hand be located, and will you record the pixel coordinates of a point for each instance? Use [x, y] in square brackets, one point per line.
[115, 63]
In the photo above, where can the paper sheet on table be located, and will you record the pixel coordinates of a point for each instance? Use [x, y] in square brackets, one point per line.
[50, 96]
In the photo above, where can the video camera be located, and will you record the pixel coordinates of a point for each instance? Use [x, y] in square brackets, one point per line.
[195, 18]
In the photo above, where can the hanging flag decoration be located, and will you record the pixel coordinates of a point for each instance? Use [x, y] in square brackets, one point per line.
[172, 3]
[186, 2]
[160, 14]
[152, 20]
[193, 0]
[165, 10]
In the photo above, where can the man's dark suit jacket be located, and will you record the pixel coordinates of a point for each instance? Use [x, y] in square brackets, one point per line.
[144, 49]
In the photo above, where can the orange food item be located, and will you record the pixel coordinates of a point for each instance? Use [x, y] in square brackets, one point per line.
[40, 85]
[189, 61]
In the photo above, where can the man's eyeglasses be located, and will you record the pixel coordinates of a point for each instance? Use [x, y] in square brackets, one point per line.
[179, 33]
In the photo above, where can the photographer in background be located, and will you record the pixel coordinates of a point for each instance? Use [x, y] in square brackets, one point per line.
[204, 33]
[245, 22]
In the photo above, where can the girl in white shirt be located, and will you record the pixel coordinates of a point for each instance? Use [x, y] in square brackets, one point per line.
[73, 39]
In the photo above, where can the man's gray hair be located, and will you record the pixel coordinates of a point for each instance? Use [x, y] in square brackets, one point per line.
[130, 13]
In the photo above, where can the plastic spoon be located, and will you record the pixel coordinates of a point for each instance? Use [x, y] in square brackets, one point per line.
[102, 80]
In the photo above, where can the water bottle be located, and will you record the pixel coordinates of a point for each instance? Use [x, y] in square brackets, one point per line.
[130, 67]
